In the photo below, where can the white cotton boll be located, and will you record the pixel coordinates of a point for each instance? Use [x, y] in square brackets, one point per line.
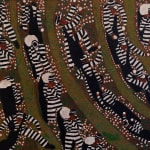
[42, 29]
[24, 1]
[99, 46]
[148, 54]
[115, 37]
[80, 8]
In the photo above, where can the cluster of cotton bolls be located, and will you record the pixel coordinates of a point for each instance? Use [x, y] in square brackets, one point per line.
[21, 140]
[141, 96]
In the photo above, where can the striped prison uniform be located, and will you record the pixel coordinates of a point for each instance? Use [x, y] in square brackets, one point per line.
[81, 35]
[53, 98]
[38, 60]
[133, 127]
[72, 12]
[22, 129]
[134, 63]
[72, 48]
[16, 91]
[108, 17]
[144, 136]
[99, 147]
[73, 128]
[136, 127]
[89, 67]
[74, 18]
[107, 99]
[6, 24]
[10, 97]
[122, 55]
[6, 55]
[90, 75]
[31, 20]
[145, 28]
[139, 78]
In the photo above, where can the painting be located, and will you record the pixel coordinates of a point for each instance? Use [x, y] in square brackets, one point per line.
[74, 74]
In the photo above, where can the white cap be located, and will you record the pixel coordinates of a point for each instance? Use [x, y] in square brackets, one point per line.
[29, 39]
[124, 113]
[89, 140]
[144, 9]
[65, 112]
[4, 84]
[46, 77]
[80, 8]
[42, 29]
[132, 119]
[102, 88]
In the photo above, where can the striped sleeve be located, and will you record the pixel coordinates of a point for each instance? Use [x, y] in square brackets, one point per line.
[135, 49]
[42, 49]
[74, 23]
[79, 123]
[106, 15]
[68, 125]
[9, 30]
[59, 90]
[10, 50]
[3, 11]
[112, 94]
[39, 19]
[71, 13]
[25, 17]
[17, 95]
[5, 123]
[142, 24]
[123, 14]
[33, 121]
